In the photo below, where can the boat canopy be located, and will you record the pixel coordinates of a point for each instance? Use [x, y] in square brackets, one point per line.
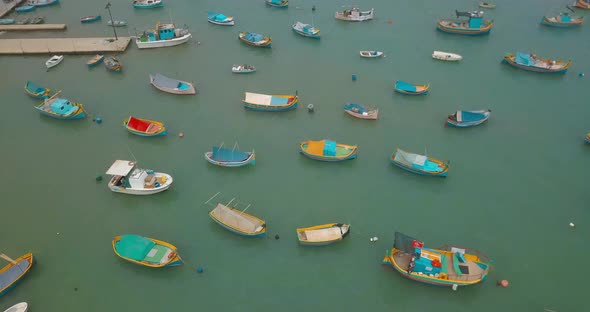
[465, 116]
[217, 16]
[404, 86]
[226, 154]
[166, 82]
[323, 147]
[524, 59]
[276, 1]
[414, 160]
[13, 273]
[404, 243]
[265, 99]
[357, 108]
[134, 246]
[565, 18]
[62, 107]
[237, 219]
[253, 37]
[34, 88]
[121, 168]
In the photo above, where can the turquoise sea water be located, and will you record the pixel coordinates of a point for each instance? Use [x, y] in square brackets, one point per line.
[514, 185]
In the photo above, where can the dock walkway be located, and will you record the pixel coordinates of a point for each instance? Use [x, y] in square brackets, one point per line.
[5, 8]
[31, 27]
[63, 45]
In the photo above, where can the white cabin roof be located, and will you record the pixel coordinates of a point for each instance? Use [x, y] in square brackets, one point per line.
[256, 98]
[121, 167]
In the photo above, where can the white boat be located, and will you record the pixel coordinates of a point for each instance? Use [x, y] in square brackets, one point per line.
[117, 23]
[19, 307]
[220, 19]
[243, 69]
[355, 15]
[54, 61]
[446, 56]
[371, 54]
[129, 179]
[165, 35]
[487, 5]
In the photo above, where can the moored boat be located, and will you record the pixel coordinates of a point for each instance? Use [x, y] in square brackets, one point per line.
[466, 119]
[487, 5]
[278, 3]
[419, 164]
[306, 30]
[474, 26]
[24, 21]
[531, 62]
[582, 4]
[61, 108]
[90, 19]
[171, 85]
[54, 61]
[146, 251]
[360, 111]
[112, 63]
[225, 157]
[36, 91]
[220, 19]
[243, 69]
[446, 56]
[127, 178]
[38, 20]
[25, 8]
[587, 138]
[144, 127]
[42, 3]
[254, 39]
[165, 35]
[14, 271]
[563, 20]
[355, 15]
[322, 235]
[95, 60]
[270, 103]
[237, 221]
[117, 23]
[447, 266]
[19, 307]
[147, 4]
[371, 54]
[7, 21]
[326, 150]
[411, 89]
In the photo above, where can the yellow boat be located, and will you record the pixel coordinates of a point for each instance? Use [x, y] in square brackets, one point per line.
[146, 251]
[14, 271]
[321, 235]
[326, 150]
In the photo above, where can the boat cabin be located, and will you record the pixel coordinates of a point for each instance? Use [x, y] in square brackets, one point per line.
[475, 18]
[59, 106]
[127, 175]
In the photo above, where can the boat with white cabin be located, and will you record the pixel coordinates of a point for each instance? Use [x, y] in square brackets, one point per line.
[371, 54]
[355, 15]
[130, 179]
[446, 56]
[54, 61]
[165, 35]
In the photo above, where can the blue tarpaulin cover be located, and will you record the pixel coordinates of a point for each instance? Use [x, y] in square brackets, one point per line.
[225, 154]
[402, 85]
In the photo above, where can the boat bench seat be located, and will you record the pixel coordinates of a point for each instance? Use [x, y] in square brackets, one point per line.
[156, 254]
[323, 234]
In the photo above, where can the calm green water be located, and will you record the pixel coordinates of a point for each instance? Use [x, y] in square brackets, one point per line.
[515, 183]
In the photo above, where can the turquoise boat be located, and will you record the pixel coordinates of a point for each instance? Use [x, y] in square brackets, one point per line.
[255, 39]
[466, 119]
[61, 108]
[563, 20]
[42, 3]
[25, 8]
[278, 3]
[326, 150]
[420, 164]
[474, 26]
[411, 89]
[7, 21]
[147, 4]
[306, 30]
[36, 91]
[219, 19]
[90, 19]
[226, 157]
[15, 271]
[533, 63]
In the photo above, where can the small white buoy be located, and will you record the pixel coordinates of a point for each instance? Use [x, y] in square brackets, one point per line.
[375, 238]
[572, 224]
[57, 233]
[198, 42]
[455, 286]
[371, 239]
[310, 107]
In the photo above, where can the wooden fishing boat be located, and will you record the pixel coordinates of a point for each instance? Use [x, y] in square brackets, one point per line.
[117, 23]
[42, 3]
[14, 271]
[322, 235]
[306, 30]
[225, 157]
[587, 138]
[165, 35]
[112, 63]
[446, 266]
[466, 119]
[95, 60]
[243, 69]
[371, 54]
[61, 108]
[411, 89]
[130, 179]
[90, 19]
[531, 62]
[237, 221]
[25, 8]
[326, 150]
[144, 127]
[147, 4]
[54, 61]
[255, 40]
[475, 24]
[7, 21]
[582, 4]
[146, 251]
[219, 19]
[446, 56]
[278, 3]
[355, 15]
[563, 20]
[19, 307]
[487, 5]
[171, 85]
[360, 111]
[420, 164]
[36, 91]
[270, 103]
[38, 20]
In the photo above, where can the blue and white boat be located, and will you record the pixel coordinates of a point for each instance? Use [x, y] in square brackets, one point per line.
[25, 8]
[563, 20]
[226, 157]
[147, 4]
[420, 164]
[90, 19]
[42, 3]
[60, 108]
[278, 3]
[36, 91]
[306, 30]
[255, 39]
[411, 89]
[220, 19]
[165, 35]
[466, 119]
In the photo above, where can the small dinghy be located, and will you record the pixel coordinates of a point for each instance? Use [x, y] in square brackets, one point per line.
[243, 69]
[563, 20]
[90, 19]
[112, 63]
[219, 19]
[355, 15]
[420, 164]
[38, 20]
[326, 150]
[54, 61]
[411, 89]
[147, 4]
[117, 23]
[322, 235]
[25, 8]
[95, 60]
[14, 271]
[278, 3]
[255, 39]
[7, 21]
[19, 307]
[270, 103]
[446, 56]
[306, 30]
[61, 108]
[146, 251]
[237, 221]
[225, 157]
[534, 63]
[360, 111]
[130, 179]
[42, 3]
[371, 54]
[171, 85]
[144, 127]
[466, 119]
[36, 91]
[487, 5]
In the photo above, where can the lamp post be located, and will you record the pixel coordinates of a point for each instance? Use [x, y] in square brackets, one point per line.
[108, 7]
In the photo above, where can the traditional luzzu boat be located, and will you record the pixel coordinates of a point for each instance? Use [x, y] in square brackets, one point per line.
[225, 157]
[446, 266]
[563, 20]
[144, 127]
[322, 235]
[237, 221]
[355, 15]
[255, 40]
[361, 112]
[14, 271]
[90, 19]
[61, 108]
[147, 4]
[411, 89]
[306, 30]
[278, 3]
[420, 164]
[19, 307]
[466, 119]
[270, 103]
[582, 4]
[129, 179]
[533, 63]
[219, 19]
[474, 26]
[36, 91]
[42, 3]
[171, 85]
[146, 251]
[326, 150]
[95, 60]
[25, 8]
[165, 35]
[112, 64]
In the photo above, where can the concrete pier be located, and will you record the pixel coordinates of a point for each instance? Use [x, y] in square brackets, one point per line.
[32, 27]
[63, 45]
[5, 8]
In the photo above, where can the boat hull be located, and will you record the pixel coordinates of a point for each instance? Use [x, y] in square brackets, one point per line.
[37, 94]
[470, 124]
[587, 139]
[95, 61]
[305, 242]
[30, 259]
[351, 155]
[283, 5]
[272, 108]
[262, 233]
[446, 56]
[79, 114]
[228, 23]
[509, 59]
[365, 16]
[148, 6]
[174, 261]
[44, 4]
[143, 191]
[465, 31]
[251, 160]
[267, 44]
[189, 91]
[163, 43]
[161, 132]
[25, 8]
[545, 21]
[307, 35]
[90, 19]
[442, 174]
[373, 116]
